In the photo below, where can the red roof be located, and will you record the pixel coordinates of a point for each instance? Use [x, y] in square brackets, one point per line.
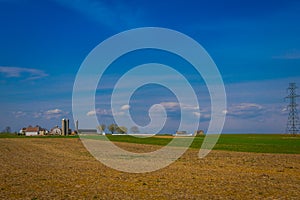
[32, 129]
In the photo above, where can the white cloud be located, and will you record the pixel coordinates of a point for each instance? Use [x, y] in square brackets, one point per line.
[197, 114]
[16, 72]
[53, 112]
[203, 116]
[91, 113]
[176, 106]
[170, 104]
[98, 112]
[248, 106]
[284, 109]
[125, 107]
[174, 109]
[50, 114]
[18, 114]
[225, 112]
[246, 110]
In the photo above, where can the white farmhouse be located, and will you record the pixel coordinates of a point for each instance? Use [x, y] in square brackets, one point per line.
[32, 131]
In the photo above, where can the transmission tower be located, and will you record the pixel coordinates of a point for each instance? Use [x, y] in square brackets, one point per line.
[292, 126]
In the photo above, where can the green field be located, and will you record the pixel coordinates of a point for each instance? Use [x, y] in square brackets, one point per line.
[260, 143]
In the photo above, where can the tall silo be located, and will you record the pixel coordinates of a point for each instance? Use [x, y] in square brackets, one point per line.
[65, 126]
[76, 125]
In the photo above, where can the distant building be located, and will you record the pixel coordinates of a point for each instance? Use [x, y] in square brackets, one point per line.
[32, 131]
[22, 131]
[73, 132]
[198, 132]
[37, 130]
[181, 133]
[43, 131]
[55, 131]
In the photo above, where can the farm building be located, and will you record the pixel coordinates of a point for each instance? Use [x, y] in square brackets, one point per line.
[22, 131]
[199, 132]
[182, 133]
[56, 131]
[32, 131]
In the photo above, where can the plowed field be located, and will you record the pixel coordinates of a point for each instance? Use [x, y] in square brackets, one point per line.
[61, 168]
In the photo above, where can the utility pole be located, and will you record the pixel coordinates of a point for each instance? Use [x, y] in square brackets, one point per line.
[292, 126]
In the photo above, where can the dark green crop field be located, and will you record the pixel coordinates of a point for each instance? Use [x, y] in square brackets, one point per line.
[260, 143]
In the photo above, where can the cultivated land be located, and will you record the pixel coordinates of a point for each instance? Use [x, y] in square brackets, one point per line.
[61, 168]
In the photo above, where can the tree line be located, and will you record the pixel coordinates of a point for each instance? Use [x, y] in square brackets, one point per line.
[114, 128]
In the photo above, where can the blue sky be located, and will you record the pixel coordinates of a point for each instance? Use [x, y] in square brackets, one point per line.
[255, 44]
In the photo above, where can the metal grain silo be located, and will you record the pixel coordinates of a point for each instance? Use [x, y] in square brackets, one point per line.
[65, 126]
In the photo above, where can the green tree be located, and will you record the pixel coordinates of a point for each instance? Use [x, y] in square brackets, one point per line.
[112, 128]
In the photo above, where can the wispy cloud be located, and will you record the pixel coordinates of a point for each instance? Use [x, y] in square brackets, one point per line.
[176, 106]
[246, 110]
[103, 112]
[171, 106]
[19, 114]
[55, 113]
[125, 107]
[91, 113]
[109, 112]
[195, 111]
[17, 72]
[50, 114]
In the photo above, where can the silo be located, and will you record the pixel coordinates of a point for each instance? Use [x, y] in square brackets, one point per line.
[65, 126]
[76, 126]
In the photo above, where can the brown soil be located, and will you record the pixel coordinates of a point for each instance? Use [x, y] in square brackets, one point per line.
[37, 168]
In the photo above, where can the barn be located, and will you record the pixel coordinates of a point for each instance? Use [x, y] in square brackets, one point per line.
[32, 131]
[56, 131]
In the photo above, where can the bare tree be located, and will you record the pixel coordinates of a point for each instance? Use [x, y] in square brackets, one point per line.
[134, 129]
[121, 129]
[101, 128]
[7, 129]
